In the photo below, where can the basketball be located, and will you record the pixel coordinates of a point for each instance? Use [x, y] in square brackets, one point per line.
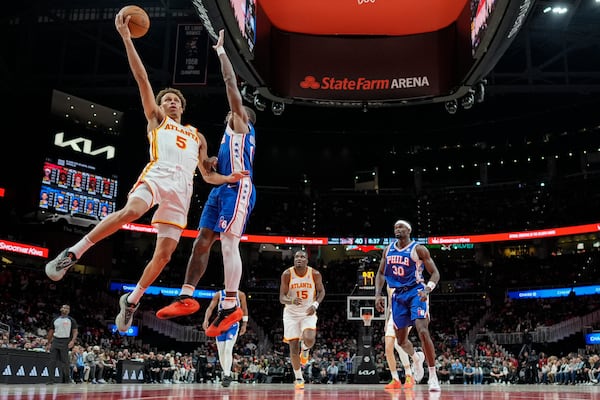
[139, 22]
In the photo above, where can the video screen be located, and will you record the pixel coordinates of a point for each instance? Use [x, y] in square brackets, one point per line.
[244, 12]
[481, 12]
[71, 187]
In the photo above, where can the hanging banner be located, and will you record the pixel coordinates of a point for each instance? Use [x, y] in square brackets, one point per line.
[191, 55]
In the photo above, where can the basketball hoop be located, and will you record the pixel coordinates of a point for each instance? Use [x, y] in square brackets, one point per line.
[367, 318]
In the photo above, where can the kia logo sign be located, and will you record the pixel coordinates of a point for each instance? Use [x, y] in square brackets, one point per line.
[83, 145]
[366, 372]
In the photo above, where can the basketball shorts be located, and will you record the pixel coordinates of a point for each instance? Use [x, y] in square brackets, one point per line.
[171, 188]
[228, 207]
[408, 307]
[294, 325]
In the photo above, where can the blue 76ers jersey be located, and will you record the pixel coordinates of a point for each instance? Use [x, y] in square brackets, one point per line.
[402, 266]
[236, 152]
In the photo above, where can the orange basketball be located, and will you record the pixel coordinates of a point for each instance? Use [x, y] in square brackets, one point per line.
[139, 22]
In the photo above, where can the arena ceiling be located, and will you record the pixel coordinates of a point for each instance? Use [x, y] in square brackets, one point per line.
[553, 63]
[548, 80]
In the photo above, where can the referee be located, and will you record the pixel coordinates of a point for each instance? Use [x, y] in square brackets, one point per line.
[61, 337]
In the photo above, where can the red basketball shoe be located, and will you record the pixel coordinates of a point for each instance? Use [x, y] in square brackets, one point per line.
[182, 305]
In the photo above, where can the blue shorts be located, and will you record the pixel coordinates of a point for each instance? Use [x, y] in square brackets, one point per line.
[407, 305]
[228, 207]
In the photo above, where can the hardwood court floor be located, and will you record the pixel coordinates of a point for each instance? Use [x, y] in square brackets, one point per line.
[286, 391]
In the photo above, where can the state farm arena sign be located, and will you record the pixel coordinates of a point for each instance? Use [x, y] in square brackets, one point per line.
[351, 68]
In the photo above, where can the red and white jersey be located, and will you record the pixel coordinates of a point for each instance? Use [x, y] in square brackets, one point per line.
[174, 157]
[302, 287]
[175, 145]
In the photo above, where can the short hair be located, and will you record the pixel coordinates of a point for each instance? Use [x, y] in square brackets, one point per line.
[176, 92]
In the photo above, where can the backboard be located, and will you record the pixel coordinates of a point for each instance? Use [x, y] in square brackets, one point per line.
[357, 305]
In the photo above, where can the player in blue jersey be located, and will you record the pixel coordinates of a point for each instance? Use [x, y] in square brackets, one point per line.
[226, 211]
[401, 267]
[226, 340]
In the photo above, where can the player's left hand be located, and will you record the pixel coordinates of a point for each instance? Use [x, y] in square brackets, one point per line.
[237, 176]
[220, 40]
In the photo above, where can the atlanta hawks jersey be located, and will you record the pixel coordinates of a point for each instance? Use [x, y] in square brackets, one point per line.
[302, 287]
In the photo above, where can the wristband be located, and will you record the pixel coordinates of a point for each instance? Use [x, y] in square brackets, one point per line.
[245, 318]
[315, 304]
[220, 50]
[431, 285]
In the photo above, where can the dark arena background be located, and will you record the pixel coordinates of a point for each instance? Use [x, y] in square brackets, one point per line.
[477, 121]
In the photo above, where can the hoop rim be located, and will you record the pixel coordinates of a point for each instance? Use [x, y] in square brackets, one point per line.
[367, 318]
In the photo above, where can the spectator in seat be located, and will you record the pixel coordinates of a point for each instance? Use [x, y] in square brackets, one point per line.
[477, 374]
[332, 372]
[468, 373]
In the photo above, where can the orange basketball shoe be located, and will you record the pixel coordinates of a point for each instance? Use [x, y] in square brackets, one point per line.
[304, 354]
[394, 384]
[181, 306]
[225, 318]
[409, 382]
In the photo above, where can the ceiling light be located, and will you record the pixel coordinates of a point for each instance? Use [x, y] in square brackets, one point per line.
[451, 106]
[277, 108]
[468, 100]
[247, 93]
[259, 103]
[480, 91]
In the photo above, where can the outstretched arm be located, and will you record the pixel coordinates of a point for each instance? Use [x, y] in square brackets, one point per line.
[239, 116]
[152, 111]
[206, 166]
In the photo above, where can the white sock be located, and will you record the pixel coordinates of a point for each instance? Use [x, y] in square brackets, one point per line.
[187, 290]
[395, 375]
[229, 302]
[81, 247]
[432, 374]
[135, 296]
[298, 374]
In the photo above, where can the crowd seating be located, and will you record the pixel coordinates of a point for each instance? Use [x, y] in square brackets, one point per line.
[30, 300]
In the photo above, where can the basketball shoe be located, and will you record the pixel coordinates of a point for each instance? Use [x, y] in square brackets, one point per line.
[434, 385]
[409, 382]
[125, 316]
[299, 384]
[394, 384]
[304, 355]
[418, 366]
[181, 306]
[226, 381]
[58, 267]
[225, 318]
